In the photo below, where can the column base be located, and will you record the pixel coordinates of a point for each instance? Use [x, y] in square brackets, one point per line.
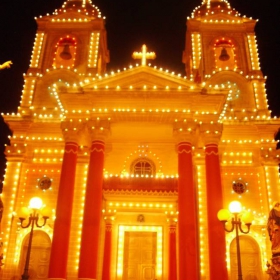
[86, 279]
[56, 278]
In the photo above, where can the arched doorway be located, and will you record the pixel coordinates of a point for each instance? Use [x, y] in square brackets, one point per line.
[250, 259]
[39, 257]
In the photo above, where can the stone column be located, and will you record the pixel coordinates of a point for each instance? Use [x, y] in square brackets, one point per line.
[93, 202]
[172, 261]
[187, 221]
[106, 272]
[62, 224]
[216, 233]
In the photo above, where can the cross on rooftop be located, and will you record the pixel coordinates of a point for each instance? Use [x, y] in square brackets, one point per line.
[144, 55]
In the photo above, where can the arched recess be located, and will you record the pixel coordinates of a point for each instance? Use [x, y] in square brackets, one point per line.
[250, 259]
[65, 52]
[240, 89]
[225, 54]
[39, 257]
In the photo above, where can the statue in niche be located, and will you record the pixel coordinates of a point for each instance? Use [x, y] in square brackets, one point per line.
[6, 64]
[273, 228]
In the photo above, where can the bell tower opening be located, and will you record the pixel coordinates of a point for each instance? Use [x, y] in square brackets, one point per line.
[65, 53]
[224, 52]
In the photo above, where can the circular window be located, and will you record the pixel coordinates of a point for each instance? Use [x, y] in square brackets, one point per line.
[44, 183]
[239, 186]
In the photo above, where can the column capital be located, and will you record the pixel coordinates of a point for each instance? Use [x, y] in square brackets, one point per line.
[71, 129]
[172, 218]
[211, 133]
[99, 129]
[109, 217]
[185, 131]
[184, 147]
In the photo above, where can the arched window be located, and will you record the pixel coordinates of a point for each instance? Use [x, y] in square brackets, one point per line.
[65, 53]
[143, 167]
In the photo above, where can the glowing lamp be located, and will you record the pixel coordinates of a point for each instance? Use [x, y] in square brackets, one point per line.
[35, 203]
[236, 224]
[247, 218]
[235, 207]
[46, 211]
[224, 215]
[33, 220]
[23, 212]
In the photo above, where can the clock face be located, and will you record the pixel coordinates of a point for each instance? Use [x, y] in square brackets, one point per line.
[44, 183]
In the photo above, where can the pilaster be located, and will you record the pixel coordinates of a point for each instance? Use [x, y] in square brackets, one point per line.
[109, 220]
[172, 260]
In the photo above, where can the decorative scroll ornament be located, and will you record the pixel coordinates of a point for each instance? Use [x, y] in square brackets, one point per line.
[273, 228]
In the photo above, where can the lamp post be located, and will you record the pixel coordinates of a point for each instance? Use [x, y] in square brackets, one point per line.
[35, 204]
[224, 215]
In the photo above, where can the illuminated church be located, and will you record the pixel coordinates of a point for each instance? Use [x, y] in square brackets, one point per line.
[134, 165]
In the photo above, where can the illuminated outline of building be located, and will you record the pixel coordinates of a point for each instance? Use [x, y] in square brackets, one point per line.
[129, 153]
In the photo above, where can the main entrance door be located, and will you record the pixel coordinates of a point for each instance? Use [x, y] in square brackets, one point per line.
[139, 255]
[250, 259]
[39, 258]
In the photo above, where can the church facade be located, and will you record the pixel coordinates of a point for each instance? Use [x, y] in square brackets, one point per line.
[133, 166]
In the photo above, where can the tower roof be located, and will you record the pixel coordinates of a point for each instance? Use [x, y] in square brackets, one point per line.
[209, 7]
[84, 7]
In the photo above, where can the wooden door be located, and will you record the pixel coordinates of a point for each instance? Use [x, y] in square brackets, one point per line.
[250, 259]
[39, 257]
[139, 256]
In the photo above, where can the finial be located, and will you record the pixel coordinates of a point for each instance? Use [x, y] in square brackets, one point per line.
[144, 55]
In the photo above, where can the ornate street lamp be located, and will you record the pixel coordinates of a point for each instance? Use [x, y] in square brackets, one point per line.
[35, 204]
[237, 219]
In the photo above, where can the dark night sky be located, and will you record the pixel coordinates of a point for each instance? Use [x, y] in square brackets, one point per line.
[158, 23]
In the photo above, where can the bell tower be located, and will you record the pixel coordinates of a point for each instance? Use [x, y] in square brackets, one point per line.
[74, 37]
[70, 44]
[221, 49]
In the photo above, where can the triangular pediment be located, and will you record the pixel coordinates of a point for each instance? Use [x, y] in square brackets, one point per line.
[141, 77]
